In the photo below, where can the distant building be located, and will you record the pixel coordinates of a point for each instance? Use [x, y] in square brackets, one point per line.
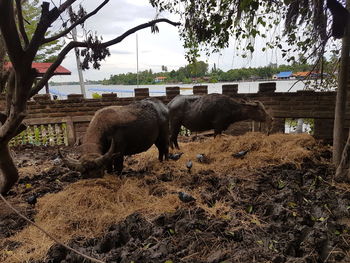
[159, 79]
[41, 68]
[284, 75]
[200, 79]
[301, 75]
[309, 74]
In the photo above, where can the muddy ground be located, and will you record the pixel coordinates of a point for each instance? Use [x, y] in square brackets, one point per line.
[289, 212]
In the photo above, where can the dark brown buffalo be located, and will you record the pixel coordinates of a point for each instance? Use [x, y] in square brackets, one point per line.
[212, 111]
[117, 131]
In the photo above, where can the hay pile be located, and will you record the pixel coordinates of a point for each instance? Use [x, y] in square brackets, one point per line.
[86, 208]
[264, 151]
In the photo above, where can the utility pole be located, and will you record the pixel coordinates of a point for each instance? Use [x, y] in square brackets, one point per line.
[77, 56]
[137, 61]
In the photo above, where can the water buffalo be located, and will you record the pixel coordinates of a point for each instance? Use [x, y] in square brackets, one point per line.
[212, 111]
[117, 131]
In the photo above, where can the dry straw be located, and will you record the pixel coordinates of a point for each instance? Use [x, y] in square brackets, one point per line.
[88, 207]
[264, 151]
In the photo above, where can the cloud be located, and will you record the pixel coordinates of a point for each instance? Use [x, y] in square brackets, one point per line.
[121, 52]
[155, 50]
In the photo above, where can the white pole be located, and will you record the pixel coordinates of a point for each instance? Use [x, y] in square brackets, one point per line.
[137, 60]
[80, 72]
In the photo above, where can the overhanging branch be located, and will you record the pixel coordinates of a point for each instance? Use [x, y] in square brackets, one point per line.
[10, 34]
[50, 72]
[46, 19]
[65, 5]
[78, 22]
[20, 23]
[137, 28]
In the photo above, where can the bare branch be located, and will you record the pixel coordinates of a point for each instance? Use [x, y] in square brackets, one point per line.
[65, 5]
[22, 127]
[10, 90]
[9, 128]
[137, 28]
[49, 73]
[46, 19]
[78, 22]
[21, 24]
[10, 34]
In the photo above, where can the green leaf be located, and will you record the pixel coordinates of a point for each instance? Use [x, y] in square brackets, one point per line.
[281, 184]
[256, 221]
[292, 204]
[250, 209]
[147, 246]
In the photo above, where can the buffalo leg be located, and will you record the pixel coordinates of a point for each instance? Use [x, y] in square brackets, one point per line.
[175, 129]
[220, 125]
[163, 148]
[118, 164]
[217, 131]
[109, 167]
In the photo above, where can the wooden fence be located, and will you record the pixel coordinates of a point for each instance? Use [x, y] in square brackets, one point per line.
[42, 134]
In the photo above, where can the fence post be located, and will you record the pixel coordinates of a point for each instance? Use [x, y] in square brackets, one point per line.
[172, 92]
[200, 90]
[267, 87]
[70, 131]
[230, 89]
[141, 93]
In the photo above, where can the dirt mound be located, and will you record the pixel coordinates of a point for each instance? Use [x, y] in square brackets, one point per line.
[272, 203]
[86, 208]
[287, 215]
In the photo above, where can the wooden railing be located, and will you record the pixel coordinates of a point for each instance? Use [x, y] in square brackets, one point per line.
[43, 134]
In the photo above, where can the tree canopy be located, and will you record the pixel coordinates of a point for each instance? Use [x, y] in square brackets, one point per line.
[23, 45]
[31, 13]
[210, 25]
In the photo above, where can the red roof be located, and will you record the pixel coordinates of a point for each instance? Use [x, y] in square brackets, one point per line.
[302, 74]
[43, 67]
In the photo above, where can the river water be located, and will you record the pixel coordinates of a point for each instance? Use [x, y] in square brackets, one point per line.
[159, 90]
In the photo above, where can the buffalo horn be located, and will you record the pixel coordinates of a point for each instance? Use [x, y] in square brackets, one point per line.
[100, 161]
[71, 163]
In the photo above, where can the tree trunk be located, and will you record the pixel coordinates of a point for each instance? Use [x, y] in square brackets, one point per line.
[340, 106]
[8, 169]
[10, 124]
[3, 73]
[343, 173]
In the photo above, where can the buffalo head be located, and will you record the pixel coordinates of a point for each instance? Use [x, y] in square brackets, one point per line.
[258, 112]
[90, 165]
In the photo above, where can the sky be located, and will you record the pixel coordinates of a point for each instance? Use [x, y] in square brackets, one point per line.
[154, 50]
